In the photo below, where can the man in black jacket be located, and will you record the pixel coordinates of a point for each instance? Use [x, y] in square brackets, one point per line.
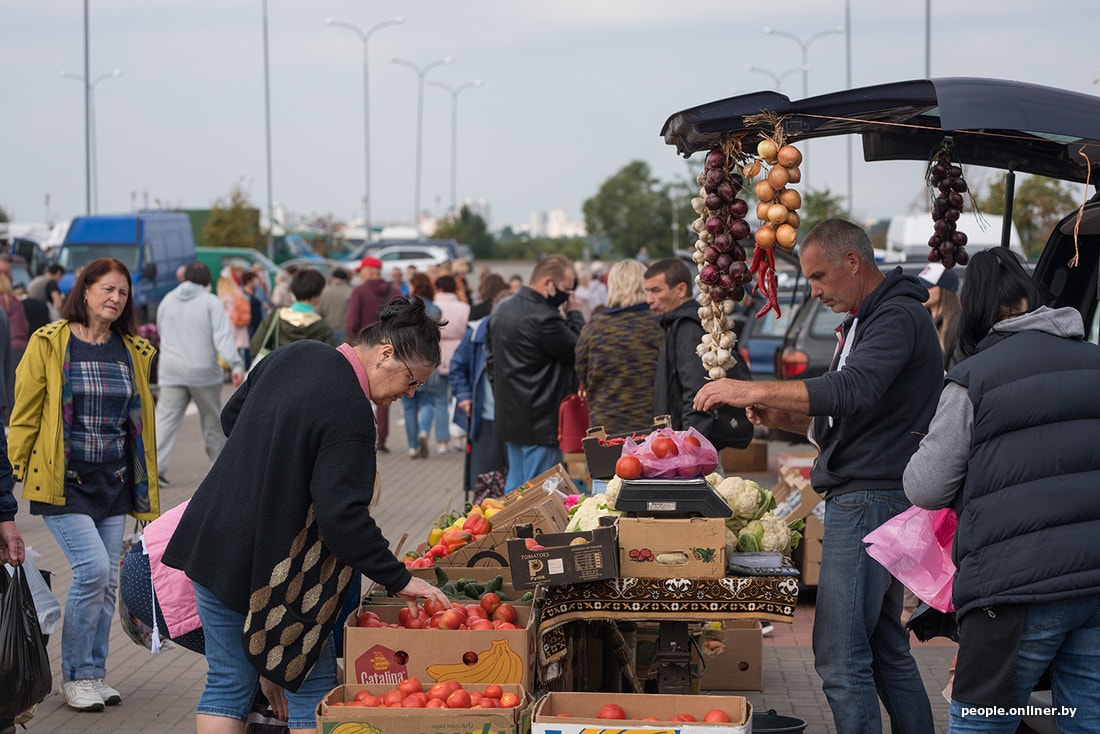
[680, 372]
[531, 359]
[866, 415]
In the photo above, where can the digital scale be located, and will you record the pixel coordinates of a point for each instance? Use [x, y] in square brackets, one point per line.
[670, 498]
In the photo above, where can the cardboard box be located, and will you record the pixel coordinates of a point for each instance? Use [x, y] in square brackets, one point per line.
[733, 657]
[576, 467]
[802, 461]
[331, 715]
[583, 707]
[807, 555]
[561, 562]
[543, 510]
[601, 456]
[701, 541]
[752, 458]
[386, 655]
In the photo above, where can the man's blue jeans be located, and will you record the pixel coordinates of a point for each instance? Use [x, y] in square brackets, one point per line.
[93, 550]
[1064, 635]
[861, 649]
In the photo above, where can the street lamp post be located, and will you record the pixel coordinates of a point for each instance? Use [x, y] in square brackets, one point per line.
[420, 72]
[777, 78]
[364, 36]
[90, 162]
[805, 46]
[455, 91]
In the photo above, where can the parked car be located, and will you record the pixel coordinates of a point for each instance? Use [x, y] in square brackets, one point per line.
[419, 255]
[758, 339]
[217, 258]
[324, 266]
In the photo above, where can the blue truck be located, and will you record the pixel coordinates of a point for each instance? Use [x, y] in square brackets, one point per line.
[152, 245]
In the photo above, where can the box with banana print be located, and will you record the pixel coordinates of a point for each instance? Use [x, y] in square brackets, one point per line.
[389, 655]
[690, 548]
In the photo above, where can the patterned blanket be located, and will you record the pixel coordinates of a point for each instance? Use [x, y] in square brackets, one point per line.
[764, 598]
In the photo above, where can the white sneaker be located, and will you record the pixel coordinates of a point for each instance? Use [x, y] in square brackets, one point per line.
[82, 695]
[110, 696]
[443, 448]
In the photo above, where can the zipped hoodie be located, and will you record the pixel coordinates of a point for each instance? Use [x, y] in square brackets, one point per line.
[870, 415]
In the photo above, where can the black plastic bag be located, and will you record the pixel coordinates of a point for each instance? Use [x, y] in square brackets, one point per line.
[25, 675]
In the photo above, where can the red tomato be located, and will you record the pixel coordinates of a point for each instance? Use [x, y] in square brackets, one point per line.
[488, 703]
[392, 697]
[663, 446]
[414, 701]
[490, 601]
[439, 691]
[611, 711]
[505, 613]
[716, 715]
[458, 700]
[691, 441]
[628, 467]
[493, 691]
[368, 699]
[682, 717]
[365, 619]
[451, 620]
[431, 606]
[404, 617]
[435, 703]
[509, 701]
[410, 685]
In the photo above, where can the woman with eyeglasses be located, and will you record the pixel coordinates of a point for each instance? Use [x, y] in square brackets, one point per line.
[277, 529]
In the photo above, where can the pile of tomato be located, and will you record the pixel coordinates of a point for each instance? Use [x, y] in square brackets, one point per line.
[614, 711]
[490, 613]
[410, 694]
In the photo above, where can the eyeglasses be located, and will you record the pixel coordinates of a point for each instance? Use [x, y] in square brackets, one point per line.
[413, 382]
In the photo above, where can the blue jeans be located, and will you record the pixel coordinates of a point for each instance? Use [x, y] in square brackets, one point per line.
[231, 681]
[93, 549]
[420, 409]
[526, 462]
[442, 407]
[1064, 635]
[861, 649]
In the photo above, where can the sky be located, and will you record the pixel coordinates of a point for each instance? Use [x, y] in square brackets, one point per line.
[572, 91]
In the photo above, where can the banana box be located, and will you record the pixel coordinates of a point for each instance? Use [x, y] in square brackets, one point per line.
[389, 655]
[336, 716]
[641, 713]
[668, 548]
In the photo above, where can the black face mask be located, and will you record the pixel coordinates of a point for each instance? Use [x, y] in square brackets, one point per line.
[559, 296]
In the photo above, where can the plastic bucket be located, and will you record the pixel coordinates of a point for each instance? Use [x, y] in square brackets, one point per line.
[773, 723]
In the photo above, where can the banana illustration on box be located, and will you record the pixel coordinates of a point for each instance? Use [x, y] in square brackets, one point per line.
[498, 664]
[354, 727]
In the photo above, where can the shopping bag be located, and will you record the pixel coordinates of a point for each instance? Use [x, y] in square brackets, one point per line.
[572, 422]
[915, 547]
[138, 631]
[25, 677]
[693, 456]
[49, 608]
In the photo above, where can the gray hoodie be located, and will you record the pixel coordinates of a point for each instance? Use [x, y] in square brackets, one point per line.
[194, 331]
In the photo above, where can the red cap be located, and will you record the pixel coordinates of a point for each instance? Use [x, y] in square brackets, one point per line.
[371, 262]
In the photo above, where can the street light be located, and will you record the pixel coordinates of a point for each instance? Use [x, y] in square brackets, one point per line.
[777, 78]
[420, 72]
[455, 91]
[805, 46]
[90, 146]
[364, 36]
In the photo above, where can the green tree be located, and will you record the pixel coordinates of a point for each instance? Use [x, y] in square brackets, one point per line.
[633, 210]
[817, 206]
[4, 216]
[470, 229]
[234, 222]
[1039, 203]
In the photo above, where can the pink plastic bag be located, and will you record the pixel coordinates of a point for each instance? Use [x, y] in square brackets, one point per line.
[692, 458]
[915, 546]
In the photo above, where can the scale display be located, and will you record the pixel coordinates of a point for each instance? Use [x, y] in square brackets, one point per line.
[670, 498]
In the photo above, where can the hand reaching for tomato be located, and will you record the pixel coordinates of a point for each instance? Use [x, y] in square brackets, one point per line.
[418, 587]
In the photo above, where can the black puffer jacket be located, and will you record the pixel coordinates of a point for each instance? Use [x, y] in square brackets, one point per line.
[531, 356]
[1029, 514]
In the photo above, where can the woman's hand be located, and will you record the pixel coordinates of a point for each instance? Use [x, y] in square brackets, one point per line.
[417, 588]
[465, 405]
[276, 698]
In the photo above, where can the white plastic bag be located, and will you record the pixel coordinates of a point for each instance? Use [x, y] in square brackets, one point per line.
[45, 603]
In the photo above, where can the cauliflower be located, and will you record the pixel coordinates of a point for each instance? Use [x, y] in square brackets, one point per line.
[746, 498]
[714, 479]
[612, 491]
[770, 534]
[588, 513]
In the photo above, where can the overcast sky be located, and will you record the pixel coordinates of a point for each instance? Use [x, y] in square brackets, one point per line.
[572, 91]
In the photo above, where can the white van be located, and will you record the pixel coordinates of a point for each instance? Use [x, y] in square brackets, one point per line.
[907, 235]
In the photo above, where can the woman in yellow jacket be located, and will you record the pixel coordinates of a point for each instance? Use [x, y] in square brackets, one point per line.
[82, 442]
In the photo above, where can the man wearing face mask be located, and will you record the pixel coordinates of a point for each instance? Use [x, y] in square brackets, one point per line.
[532, 336]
